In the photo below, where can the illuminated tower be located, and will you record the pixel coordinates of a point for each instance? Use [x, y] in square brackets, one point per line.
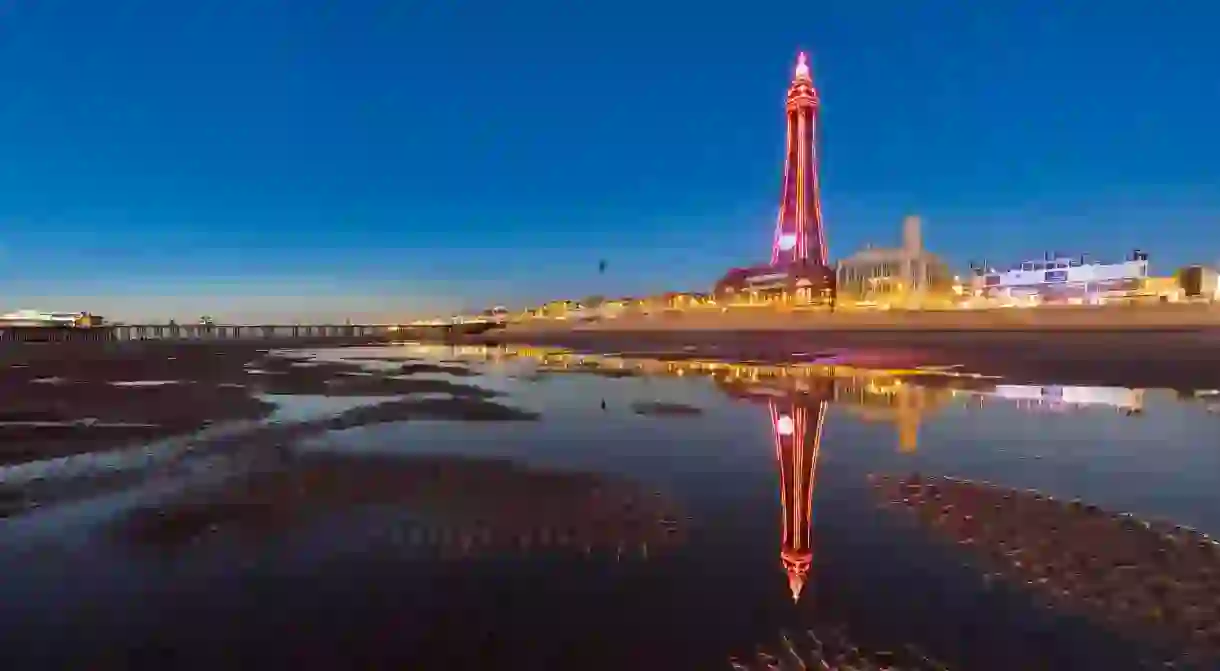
[799, 237]
[798, 439]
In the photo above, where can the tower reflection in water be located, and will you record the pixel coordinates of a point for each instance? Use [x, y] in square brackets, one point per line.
[797, 422]
[797, 428]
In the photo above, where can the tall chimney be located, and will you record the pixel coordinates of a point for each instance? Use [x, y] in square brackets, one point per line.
[912, 242]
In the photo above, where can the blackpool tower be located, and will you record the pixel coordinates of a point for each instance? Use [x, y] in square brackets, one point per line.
[799, 236]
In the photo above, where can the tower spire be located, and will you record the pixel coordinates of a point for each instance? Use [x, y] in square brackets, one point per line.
[802, 67]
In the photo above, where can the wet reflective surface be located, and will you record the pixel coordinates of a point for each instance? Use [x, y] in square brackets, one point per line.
[449, 508]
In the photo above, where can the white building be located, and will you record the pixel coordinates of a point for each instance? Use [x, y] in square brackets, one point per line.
[1062, 278]
[42, 318]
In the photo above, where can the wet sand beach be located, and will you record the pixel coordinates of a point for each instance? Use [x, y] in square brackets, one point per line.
[59, 400]
[1152, 580]
[1177, 358]
[469, 504]
[62, 400]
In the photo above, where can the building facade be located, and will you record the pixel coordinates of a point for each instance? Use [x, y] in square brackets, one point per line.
[1199, 283]
[905, 276]
[39, 318]
[796, 284]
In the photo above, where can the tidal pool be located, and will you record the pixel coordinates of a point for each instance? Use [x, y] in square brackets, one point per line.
[560, 527]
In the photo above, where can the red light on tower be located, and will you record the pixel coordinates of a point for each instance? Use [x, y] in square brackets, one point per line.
[799, 236]
[798, 272]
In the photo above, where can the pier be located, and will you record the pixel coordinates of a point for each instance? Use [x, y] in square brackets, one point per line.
[119, 333]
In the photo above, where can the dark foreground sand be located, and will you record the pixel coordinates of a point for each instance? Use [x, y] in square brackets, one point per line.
[1154, 581]
[469, 504]
[1186, 358]
[828, 648]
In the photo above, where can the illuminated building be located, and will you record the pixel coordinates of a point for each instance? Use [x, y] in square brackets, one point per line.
[1057, 278]
[906, 275]
[1199, 282]
[798, 271]
[558, 309]
[797, 429]
[678, 300]
[50, 319]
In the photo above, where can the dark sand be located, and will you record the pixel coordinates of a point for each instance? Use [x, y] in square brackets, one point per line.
[479, 502]
[1186, 358]
[660, 409]
[830, 648]
[58, 400]
[1151, 580]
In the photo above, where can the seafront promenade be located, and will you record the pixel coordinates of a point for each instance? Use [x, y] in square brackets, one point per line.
[1050, 318]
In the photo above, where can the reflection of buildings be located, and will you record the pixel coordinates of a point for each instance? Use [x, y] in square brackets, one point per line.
[896, 401]
[1051, 397]
[797, 428]
[870, 398]
[1152, 580]
[903, 398]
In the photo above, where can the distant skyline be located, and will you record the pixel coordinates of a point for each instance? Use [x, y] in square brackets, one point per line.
[379, 160]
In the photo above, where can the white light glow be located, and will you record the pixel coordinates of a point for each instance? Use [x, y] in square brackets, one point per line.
[802, 66]
[784, 426]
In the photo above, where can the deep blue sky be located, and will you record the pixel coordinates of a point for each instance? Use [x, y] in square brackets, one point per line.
[310, 158]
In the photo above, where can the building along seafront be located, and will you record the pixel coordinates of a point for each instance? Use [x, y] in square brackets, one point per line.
[1079, 280]
[907, 276]
[44, 319]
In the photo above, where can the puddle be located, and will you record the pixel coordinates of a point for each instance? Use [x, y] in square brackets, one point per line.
[303, 408]
[146, 383]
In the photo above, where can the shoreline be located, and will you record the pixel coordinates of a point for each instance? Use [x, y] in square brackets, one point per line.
[1183, 357]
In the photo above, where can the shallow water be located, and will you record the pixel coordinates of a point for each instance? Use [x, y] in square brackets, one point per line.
[598, 537]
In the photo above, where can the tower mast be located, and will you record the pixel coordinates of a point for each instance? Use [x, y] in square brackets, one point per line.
[799, 235]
